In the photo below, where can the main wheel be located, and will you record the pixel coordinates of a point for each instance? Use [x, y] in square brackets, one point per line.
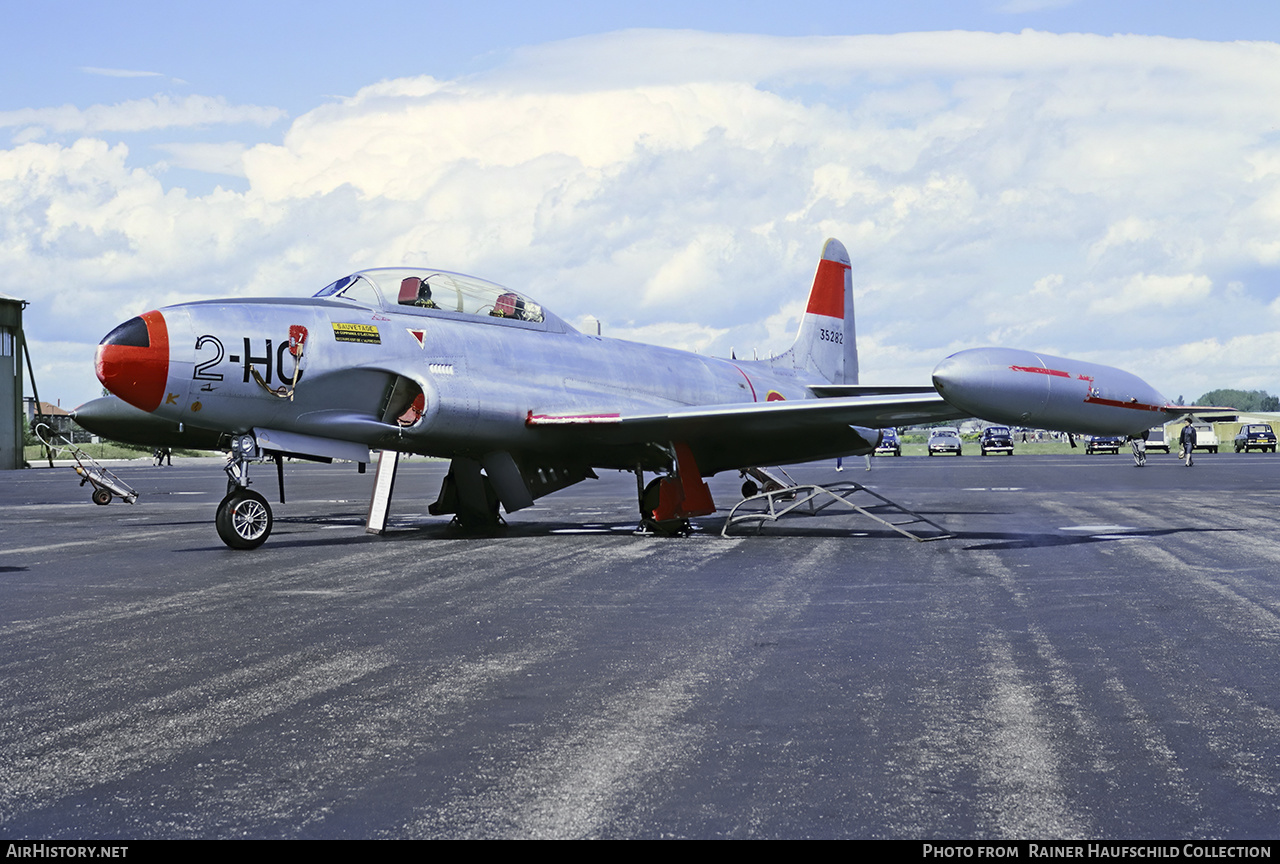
[748, 489]
[101, 496]
[244, 519]
[649, 500]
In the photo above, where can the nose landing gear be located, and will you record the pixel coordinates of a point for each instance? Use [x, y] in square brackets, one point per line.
[244, 519]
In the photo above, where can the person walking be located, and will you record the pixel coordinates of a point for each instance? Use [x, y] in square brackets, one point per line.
[1187, 441]
[1139, 445]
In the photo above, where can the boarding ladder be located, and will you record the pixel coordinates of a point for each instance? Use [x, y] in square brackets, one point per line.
[810, 499]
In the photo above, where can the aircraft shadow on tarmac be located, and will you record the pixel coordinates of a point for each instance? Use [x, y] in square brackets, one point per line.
[796, 527]
[1012, 540]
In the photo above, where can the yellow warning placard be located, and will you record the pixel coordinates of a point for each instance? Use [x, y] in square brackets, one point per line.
[367, 333]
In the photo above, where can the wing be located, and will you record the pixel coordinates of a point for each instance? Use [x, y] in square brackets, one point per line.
[739, 435]
[1180, 410]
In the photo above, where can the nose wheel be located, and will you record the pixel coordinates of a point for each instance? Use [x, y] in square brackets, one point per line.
[244, 519]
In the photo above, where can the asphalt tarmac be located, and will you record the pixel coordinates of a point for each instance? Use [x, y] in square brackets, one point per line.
[1092, 655]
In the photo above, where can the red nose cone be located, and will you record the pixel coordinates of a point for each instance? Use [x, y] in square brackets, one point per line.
[133, 361]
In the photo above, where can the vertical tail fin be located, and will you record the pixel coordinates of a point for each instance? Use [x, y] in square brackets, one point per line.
[827, 342]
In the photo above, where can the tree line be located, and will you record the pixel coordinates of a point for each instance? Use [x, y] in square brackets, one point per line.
[1242, 400]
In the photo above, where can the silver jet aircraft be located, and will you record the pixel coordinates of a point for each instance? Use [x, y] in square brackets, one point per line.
[442, 364]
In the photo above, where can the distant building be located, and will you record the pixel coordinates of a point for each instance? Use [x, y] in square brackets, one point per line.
[58, 418]
[11, 382]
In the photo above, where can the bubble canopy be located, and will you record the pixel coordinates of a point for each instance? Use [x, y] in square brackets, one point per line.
[413, 289]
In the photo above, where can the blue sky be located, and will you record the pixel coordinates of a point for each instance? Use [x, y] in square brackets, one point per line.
[671, 169]
[294, 55]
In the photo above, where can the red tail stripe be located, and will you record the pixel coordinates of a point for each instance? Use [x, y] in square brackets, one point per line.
[827, 296]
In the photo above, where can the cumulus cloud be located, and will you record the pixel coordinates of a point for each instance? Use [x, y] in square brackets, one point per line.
[1143, 292]
[1076, 194]
[225, 157]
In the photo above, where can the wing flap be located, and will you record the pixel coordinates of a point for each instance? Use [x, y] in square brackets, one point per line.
[827, 391]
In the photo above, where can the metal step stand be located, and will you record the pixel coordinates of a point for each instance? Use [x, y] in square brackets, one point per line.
[811, 499]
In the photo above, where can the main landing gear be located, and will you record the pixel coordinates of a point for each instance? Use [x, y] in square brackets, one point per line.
[650, 501]
[667, 503]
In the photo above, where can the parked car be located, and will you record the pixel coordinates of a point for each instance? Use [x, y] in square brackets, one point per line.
[945, 439]
[1156, 439]
[889, 444]
[1255, 436]
[1103, 444]
[996, 439]
[1206, 438]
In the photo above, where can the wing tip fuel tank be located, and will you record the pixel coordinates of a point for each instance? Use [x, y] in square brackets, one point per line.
[1025, 388]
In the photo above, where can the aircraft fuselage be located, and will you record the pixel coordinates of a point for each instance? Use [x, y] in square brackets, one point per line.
[480, 378]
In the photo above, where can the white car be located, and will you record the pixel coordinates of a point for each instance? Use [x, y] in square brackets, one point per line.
[945, 439]
[1206, 438]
